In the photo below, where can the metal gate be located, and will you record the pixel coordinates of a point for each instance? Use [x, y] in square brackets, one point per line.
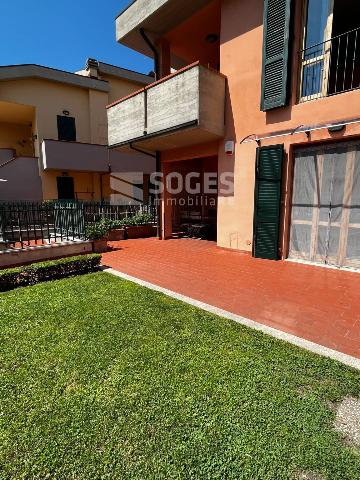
[325, 223]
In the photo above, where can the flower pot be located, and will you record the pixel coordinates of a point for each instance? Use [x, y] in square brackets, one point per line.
[117, 234]
[100, 246]
[141, 231]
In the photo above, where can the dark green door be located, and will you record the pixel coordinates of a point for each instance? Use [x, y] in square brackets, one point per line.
[65, 187]
[267, 201]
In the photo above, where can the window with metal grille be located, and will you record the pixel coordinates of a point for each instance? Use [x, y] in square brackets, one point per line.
[331, 48]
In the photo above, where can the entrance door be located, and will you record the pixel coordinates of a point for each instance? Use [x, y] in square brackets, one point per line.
[325, 225]
[65, 187]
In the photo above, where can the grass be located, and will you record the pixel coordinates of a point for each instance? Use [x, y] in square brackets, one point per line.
[103, 379]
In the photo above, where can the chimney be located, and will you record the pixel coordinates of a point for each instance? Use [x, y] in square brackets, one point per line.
[92, 66]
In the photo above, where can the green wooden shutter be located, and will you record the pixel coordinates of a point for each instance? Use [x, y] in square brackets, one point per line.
[267, 201]
[275, 53]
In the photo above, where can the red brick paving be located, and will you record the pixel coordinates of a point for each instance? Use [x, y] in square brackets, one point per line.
[318, 304]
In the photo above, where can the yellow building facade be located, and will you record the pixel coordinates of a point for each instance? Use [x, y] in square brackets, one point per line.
[55, 123]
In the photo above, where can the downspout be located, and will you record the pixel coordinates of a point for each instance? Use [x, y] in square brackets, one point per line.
[155, 52]
[157, 154]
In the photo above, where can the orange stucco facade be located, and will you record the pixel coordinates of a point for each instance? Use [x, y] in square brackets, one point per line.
[240, 51]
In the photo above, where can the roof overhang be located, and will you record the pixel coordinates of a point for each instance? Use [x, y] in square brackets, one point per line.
[156, 16]
[125, 74]
[15, 72]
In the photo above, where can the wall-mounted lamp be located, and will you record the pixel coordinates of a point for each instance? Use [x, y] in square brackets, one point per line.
[230, 147]
[66, 112]
[212, 38]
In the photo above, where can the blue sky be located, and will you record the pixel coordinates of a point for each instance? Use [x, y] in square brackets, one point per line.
[63, 33]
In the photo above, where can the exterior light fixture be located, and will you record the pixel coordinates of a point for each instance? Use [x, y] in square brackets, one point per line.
[336, 128]
[229, 147]
[3, 180]
[212, 38]
[66, 112]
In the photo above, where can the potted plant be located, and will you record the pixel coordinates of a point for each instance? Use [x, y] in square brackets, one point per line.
[140, 225]
[116, 230]
[97, 233]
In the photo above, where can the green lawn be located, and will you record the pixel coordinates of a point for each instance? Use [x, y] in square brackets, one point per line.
[103, 379]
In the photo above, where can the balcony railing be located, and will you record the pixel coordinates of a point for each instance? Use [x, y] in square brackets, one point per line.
[331, 67]
[183, 109]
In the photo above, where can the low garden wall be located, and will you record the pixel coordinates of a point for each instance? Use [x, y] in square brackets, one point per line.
[13, 257]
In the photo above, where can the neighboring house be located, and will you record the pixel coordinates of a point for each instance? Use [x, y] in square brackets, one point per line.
[53, 135]
[285, 76]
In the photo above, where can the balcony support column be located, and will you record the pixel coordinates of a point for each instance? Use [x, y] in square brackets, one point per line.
[163, 48]
[158, 200]
[157, 157]
[166, 210]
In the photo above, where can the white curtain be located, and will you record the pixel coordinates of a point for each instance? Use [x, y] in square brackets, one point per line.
[325, 221]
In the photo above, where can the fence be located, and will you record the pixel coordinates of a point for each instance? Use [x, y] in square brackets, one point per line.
[24, 224]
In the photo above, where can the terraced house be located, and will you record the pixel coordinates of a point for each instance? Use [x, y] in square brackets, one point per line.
[266, 91]
[53, 135]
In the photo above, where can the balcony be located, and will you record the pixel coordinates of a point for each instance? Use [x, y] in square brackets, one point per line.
[156, 16]
[58, 155]
[86, 157]
[331, 67]
[183, 109]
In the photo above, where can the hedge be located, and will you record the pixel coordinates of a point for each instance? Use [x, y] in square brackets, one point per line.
[41, 272]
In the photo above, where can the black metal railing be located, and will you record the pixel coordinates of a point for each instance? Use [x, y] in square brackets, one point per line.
[94, 212]
[24, 224]
[331, 67]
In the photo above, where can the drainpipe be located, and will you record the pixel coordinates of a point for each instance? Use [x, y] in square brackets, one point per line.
[157, 154]
[155, 52]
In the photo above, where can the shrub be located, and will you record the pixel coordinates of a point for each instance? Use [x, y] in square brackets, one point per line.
[142, 219]
[11, 278]
[113, 224]
[133, 220]
[98, 230]
[48, 203]
[54, 269]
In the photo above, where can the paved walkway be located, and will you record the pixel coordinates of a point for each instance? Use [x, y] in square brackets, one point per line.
[319, 304]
